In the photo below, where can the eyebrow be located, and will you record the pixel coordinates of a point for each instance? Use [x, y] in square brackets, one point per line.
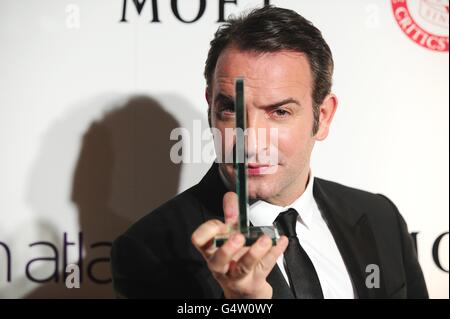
[229, 100]
[289, 100]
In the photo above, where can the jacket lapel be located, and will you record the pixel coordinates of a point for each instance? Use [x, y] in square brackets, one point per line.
[354, 239]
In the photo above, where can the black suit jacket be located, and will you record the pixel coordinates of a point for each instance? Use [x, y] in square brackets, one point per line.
[156, 259]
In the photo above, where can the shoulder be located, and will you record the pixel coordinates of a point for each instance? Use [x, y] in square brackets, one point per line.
[179, 207]
[344, 192]
[353, 202]
[155, 258]
[172, 223]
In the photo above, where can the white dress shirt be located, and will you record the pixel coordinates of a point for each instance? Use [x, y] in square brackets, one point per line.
[315, 238]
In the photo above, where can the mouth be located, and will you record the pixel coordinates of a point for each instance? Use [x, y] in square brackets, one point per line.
[255, 169]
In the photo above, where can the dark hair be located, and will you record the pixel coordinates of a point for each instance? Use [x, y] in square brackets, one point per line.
[271, 29]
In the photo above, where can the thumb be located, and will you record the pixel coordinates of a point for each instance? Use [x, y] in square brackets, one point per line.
[230, 209]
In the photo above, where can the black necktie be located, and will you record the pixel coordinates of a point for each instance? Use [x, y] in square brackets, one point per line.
[301, 272]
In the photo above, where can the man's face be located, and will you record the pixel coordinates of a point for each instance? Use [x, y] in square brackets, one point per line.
[278, 89]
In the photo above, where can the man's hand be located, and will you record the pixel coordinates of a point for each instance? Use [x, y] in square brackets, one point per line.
[241, 271]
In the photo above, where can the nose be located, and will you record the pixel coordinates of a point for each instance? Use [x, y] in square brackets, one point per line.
[257, 136]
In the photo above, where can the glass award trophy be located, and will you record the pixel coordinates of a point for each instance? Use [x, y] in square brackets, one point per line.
[250, 233]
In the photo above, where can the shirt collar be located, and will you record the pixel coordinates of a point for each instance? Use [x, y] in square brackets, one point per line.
[264, 214]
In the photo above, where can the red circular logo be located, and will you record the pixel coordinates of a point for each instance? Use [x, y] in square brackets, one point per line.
[424, 21]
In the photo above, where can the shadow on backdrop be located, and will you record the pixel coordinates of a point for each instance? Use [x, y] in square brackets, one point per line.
[123, 171]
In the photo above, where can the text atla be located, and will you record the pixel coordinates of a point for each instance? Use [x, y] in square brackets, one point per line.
[83, 266]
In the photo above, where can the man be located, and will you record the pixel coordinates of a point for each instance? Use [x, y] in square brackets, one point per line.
[337, 242]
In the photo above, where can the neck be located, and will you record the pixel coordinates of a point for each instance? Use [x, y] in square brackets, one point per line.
[292, 192]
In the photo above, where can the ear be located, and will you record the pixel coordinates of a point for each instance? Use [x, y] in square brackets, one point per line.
[327, 110]
[208, 100]
[207, 97]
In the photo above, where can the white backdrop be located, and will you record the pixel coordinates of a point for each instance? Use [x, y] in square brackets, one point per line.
[87, 104]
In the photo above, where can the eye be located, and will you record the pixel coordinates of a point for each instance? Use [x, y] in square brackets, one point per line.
[281, 113]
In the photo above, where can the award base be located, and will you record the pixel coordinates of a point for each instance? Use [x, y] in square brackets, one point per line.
[251, 235]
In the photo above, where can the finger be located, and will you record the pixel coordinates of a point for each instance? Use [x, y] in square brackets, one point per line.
[230, 208]
[203, 237]
[253, 256]
[241, 253]
[220, 260]
[270, 259]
